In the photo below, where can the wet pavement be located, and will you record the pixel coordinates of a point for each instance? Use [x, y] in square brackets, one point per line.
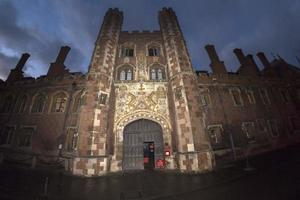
[276, 176]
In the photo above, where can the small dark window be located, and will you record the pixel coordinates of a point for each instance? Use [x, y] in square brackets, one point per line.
[236, 96]
[157, 74]
[125, 74]
[59, 102]
[153, 51]
[24, 138]
[6, 135]
[204, 98]
[102, 98]
[8, 104]
[248, 129]
[295, 122]
[21, 104]
[77, 103]
[273, 126]
[38, 104]
[264, 96]
[71, 142]
[127, 52]
[285, 96]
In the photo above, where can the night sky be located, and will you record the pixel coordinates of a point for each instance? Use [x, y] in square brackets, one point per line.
[40, 27]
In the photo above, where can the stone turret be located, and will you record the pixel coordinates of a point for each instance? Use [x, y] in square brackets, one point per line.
[16, 74]
[95, 127]
[58, 68]
[182, 86]
[216, 65]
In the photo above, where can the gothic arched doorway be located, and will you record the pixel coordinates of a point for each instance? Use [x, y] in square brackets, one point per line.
[140, 137]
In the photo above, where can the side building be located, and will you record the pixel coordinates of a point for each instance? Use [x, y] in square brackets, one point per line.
[141, 106]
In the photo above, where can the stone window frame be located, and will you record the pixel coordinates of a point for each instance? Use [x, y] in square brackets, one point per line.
[292, 124]
[250, 136]
[273, 122]
[77, 101]
[154, 44]
[156, 67]
[251, 96]
[204, 96]
[285, 96]
[259, 123]
[21, 103]
[33, 103]
[220, 126]
[74, 142]
[11, 135]
[265, 99]
[101, 95]
[127, 45]
[8, 104]
[20, 133]
[125, 68]
[54, 97]
[233, 98]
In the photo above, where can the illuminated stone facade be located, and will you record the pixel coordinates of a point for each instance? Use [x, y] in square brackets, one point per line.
[206, 119]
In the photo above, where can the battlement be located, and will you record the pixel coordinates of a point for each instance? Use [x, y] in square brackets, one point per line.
[135, 32]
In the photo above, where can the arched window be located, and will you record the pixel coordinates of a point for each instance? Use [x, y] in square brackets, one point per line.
[21, 104]
[129, 75]
[157, 73]
[8, 104]
[153, 74]
[154, 50]
[38, 104]
[59, 102]
[77, 103]
[125, 73]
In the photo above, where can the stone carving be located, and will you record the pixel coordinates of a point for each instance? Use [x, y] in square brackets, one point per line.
[143, 96]
[141, 67]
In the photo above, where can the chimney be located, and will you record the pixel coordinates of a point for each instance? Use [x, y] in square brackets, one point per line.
[58, 68]
[217, 66]
[263, 59]
[16, 74]
[212, 53]
[240, 55]
[22, 61]
[61, 57]
[249, 67]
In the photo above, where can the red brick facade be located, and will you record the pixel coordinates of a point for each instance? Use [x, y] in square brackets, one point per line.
[78, 120]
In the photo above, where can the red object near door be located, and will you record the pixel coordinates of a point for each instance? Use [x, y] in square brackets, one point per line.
[160, 163]
[146, 160]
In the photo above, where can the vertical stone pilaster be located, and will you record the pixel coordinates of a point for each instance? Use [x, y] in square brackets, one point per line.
[192, 141]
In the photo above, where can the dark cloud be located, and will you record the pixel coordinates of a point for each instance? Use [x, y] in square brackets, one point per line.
[18, 39]
[6, 64]
[41, 27]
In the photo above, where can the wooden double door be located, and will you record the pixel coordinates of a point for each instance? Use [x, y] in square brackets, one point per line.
[143, 145]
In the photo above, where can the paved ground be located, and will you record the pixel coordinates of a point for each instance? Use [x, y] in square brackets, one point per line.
[277, 176]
